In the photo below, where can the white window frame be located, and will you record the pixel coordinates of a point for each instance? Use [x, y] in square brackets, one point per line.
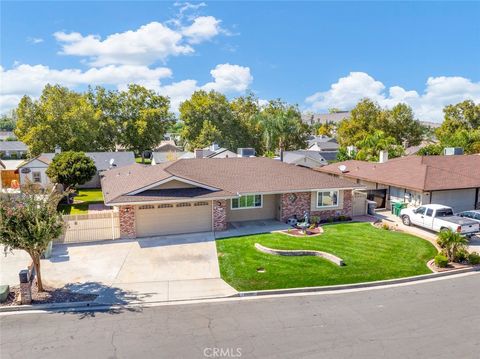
[39, 176]
[250, 207]
[324, 191]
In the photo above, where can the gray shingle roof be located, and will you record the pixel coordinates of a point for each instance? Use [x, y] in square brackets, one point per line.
[13, 146]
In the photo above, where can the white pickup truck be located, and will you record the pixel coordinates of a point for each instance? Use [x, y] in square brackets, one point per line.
[437, 217]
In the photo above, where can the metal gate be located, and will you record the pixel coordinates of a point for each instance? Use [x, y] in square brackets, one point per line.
[91, 227]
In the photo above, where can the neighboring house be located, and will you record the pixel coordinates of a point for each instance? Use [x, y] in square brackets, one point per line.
[35, 168]
[167, 146]
[304, 158]
[449, 180]
[413, 150]
[161, 157]
[4, 135]
[9, 175]
[322, 118]
[214, 151]
[322, 143]
[13, 150]
[198, 195]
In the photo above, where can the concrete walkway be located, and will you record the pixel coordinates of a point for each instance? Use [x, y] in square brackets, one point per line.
[251, 227]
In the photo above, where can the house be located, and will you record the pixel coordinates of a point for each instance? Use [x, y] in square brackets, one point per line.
[213, 151]
[449, 180]
[304, 158]
[13, 149]
[4, 135]
[9, 175]
[167, 146]
[35, 169]
[161, 157]
[322, 143]
[206, 194]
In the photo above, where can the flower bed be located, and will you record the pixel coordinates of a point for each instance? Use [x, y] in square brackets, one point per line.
[297, 232]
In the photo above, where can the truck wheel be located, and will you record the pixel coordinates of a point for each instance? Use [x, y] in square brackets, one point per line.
[406, 220]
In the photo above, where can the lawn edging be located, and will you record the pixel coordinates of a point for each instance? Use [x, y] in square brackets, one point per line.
[357, 285]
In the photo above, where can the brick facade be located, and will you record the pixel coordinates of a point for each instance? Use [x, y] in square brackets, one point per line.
[219, 215]
[296, 204]
[127, 222]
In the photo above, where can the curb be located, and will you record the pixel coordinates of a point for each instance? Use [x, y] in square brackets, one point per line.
[358, 285]
[105, 306]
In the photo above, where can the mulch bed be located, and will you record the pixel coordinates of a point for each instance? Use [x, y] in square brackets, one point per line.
[50, 295]
[296, 232]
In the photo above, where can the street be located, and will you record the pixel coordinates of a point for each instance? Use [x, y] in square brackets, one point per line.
[438, 319]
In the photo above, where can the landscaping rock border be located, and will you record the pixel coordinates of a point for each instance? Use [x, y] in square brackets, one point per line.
[301, 252]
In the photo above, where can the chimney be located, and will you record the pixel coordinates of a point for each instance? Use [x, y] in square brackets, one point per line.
[198, 153]
[452, 151]
[383, 157]
[214, 147]
[58, 149]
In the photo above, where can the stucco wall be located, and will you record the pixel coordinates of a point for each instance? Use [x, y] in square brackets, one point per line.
[248, 214]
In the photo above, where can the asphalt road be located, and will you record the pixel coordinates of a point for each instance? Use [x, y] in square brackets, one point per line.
[438, 319]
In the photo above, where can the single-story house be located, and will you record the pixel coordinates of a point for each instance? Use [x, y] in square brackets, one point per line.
[167, 146]
[9, 175]
[322, 143]
[305, 158]
[35, 169]
[13, 150]
[161, 157]
[449, 180]
[206, 194]
[213, 151]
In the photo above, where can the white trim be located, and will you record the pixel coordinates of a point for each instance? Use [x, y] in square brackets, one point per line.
[169, 179]
[240, 208]
[168, 201]
[332, 206]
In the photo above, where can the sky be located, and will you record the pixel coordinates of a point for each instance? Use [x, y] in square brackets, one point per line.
[318, 55]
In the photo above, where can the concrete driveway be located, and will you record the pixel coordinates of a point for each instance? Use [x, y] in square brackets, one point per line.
[158, 268]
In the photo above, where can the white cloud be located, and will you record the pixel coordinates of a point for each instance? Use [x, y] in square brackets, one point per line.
[229, 78]
[202, 29]
[35, 40]
[428, 106]
[30, 80]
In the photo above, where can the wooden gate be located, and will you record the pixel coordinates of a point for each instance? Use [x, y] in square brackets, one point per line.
[359, 206]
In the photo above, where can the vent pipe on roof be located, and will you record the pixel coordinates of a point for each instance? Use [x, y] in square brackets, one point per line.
[58, 149]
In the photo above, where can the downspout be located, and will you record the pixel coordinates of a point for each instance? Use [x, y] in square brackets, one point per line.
[476, 198]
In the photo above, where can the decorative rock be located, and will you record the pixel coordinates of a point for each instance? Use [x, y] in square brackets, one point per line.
[301, 252]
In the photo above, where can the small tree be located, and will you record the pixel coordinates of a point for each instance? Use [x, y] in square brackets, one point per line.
[30, 222]
[452, 242]
[71, 169]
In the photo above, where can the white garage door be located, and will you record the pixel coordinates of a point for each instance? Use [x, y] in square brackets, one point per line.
[459, 200]
[162, 219]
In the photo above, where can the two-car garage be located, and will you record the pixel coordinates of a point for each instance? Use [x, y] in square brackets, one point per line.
[173, 218]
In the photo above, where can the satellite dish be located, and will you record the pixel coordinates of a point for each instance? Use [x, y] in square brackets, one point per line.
[342, 168]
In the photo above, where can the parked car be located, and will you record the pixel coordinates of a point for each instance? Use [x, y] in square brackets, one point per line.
[473, 215]
[438, 218]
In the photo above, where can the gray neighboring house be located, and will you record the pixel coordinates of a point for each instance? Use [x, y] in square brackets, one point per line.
[213, 151]
[304, 158]
[323, 143]
[6, 134]
[13, 149]
[34, 169]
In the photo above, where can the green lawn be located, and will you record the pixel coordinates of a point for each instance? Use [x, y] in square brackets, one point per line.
[83, 198]
[147, 161]
[369, 253]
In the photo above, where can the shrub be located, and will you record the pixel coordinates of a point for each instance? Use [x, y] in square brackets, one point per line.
[474, 258]
[441, 261]
[385, 226]
[330, 220]
[315, 220]
[461, 255]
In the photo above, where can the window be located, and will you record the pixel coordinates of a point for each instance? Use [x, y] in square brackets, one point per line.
[445, 212]
[421, 210]
[248, 201]
[183, 204]
[146, 206]
[429, 212]
[37, 177]
[165, 205]
[327, 199]
[196, 204]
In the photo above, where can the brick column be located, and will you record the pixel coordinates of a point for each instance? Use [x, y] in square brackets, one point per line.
[127, 222]
[219, 215]
[348, 203]
[294, 204]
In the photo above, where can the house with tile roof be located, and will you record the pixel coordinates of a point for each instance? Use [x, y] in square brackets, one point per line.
[449, 180]
[205, 194]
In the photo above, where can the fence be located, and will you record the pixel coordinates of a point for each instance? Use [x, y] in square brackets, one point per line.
[359, 205]
[91, 227]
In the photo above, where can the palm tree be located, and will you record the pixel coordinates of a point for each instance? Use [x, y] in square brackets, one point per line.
[452, 242]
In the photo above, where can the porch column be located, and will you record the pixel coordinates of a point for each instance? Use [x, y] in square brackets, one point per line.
[219, 215]
[127, 222]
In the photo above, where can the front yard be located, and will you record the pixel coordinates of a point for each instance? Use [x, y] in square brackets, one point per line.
[82, 200]
[369, 254]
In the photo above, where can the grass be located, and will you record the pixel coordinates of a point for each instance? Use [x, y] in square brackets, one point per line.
[369, 253]
[84, 198]
[147, 161]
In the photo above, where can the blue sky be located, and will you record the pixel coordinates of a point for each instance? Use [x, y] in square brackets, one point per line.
[315, 54]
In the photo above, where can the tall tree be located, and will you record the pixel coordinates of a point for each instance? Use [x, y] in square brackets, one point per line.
[368, 149]
[214, 107]
[400, 123]
[60, 117]
[30, 222]
[71, 169]
[246, 109]
[144, 117]
[7, 122]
